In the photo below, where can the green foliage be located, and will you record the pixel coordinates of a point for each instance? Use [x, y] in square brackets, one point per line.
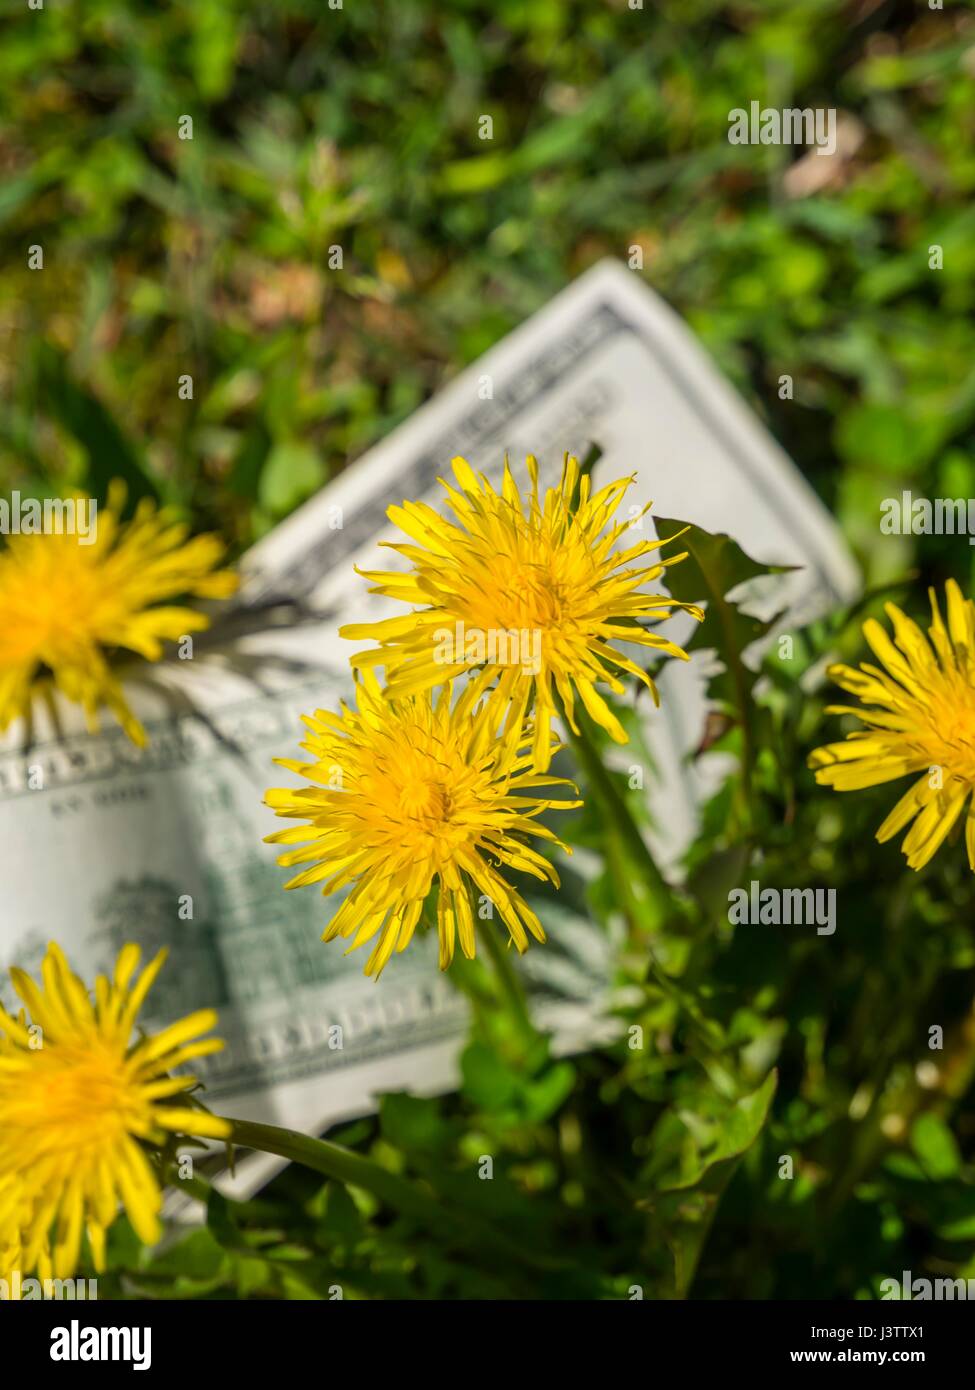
[316, 127]
[770, 1121]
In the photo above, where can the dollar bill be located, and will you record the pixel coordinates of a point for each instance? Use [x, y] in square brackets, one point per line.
[103, 843]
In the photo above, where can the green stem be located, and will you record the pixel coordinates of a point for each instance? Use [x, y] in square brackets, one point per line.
[333, 1161]
[352, 1169]
[509, 981]
[616, 808]
[625, 842]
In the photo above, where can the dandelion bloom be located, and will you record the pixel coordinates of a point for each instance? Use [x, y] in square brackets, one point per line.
[9, 1238]
[12, 1211]
[412, 794]
[78, 1102]
[65, 604]
[15, 1213]
[533, 592]
[921, 719]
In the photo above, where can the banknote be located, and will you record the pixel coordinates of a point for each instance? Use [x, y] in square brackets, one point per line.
[102, 843]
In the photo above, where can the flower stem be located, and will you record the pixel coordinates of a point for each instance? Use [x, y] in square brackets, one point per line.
[627, 848]
[354, 1170]
[333, 1161]
[615, 806]
[509, 982]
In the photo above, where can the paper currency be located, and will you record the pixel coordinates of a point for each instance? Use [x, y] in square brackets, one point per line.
[104, 843]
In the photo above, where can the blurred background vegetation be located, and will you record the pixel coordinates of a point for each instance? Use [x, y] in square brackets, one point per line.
[358, 127]
[315, 128]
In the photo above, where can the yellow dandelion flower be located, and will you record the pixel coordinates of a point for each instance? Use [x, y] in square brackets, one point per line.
[410, 795]
[920, 718]
[78, 1103]
[15, 1214]
[9, 1241]
[534, 592]
[11, 1221]
[66, 604]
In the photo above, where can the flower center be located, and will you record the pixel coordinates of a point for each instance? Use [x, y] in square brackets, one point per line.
[56, 615]
[531, 598]
[419, 798]
[422, 800]
[948, 740]
[87, 1093]
[547, 590]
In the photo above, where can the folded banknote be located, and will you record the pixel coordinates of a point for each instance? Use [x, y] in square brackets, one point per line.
[102, 842]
